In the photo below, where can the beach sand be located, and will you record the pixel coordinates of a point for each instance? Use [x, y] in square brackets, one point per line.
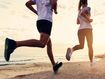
[69, 70]
[18, 23]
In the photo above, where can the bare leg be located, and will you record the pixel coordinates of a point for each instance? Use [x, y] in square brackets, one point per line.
[44, 40]
[33, 42]
[56, 66]
[49, 52]
[81, 38]
[89, 38]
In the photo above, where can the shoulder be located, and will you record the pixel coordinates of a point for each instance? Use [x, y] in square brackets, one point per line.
[33, 1]
[87, 8]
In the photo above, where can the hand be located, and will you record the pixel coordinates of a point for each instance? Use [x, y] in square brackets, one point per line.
[55, 11]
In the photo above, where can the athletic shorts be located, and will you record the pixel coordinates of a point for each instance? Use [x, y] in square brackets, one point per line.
[44, 26]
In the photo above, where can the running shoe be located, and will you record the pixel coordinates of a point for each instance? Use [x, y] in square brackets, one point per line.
[57, 66]
[68, 54]
[10, 46]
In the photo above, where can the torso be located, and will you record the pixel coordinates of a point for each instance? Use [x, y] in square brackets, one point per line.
[84, 24]
[44, 10]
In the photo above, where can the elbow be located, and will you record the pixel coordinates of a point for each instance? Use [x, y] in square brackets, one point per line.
[78, 23]
[26, 4]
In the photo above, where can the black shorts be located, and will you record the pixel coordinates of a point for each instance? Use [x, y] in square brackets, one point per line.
[44, 26]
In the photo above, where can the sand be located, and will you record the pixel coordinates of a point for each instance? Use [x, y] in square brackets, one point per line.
[18, 22]
[69, 70]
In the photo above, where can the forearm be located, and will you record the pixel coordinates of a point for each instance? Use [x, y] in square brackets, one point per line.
[86, 16]
[78, 22]
[29, 6]
[53, 2]
[54, 5]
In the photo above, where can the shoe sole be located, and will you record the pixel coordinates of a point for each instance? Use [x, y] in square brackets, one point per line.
[5, 51]
[58, 67]
[67, 54]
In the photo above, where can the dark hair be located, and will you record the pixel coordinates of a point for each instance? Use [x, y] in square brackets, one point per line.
[82, 2]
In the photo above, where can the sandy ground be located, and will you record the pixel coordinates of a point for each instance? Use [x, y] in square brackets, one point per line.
[16, 19]
[69, 70]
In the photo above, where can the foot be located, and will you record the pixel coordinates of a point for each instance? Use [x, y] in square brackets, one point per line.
[100, 56]
[68, 54]
[10, 46]
[92, 63]
[56, 67]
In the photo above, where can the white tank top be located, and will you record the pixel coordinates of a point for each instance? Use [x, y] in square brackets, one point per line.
[83, 22]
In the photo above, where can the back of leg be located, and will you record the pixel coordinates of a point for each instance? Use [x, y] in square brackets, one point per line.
[50, 52]
[44, 39]
[89, 37]
[81, 38]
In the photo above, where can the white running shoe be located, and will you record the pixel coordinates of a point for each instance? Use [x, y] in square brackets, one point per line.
[68, 54]
[93, 63]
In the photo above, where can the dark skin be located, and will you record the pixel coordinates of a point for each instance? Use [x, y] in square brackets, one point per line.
[45, 39]
[29, 5]
[53, 3]
[54, 6]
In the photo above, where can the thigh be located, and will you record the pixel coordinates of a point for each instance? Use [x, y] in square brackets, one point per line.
[44, 38]
[44, 26]
[81, 36]
[89, 37]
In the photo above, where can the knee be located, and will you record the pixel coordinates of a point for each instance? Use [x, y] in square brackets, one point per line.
[81, 46]
[43, 45]
[90, 48]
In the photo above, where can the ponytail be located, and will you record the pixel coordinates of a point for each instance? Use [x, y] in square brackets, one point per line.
[82, 2]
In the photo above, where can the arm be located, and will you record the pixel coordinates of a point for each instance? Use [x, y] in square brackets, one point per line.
[86, 16]
[54, 5]
[29, 6]
[78, 22]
